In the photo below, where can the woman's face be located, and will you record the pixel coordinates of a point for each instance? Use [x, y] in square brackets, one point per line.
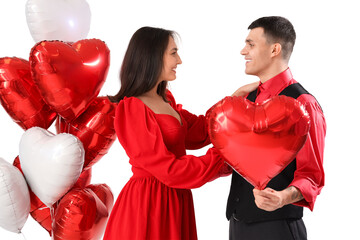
[170, 61]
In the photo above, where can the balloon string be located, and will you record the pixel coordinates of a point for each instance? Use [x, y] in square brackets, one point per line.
[67, 125]
[52, 221]
[22, 234]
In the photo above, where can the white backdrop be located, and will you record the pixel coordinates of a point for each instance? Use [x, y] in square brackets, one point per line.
[325, 61]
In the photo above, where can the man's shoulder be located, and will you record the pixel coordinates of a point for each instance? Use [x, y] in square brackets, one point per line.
[301, 94]
[294, 89]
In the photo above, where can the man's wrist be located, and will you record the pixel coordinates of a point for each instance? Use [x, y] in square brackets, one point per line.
[291, 195]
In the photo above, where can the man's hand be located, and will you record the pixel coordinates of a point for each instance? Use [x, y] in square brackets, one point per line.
[270, 200]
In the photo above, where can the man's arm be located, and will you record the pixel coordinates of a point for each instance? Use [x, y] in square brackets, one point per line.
[309, 175]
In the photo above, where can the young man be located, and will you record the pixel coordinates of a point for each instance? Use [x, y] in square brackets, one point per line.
[276, 212]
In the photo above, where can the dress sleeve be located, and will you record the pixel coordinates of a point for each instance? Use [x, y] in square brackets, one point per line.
[309, 175]
[197, 135]
[141, 137]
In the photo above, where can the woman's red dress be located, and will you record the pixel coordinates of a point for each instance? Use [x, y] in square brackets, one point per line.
[157, 203]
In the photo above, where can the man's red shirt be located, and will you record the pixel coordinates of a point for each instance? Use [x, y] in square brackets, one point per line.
[309, 175]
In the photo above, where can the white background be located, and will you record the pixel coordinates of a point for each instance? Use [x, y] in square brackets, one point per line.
[325, 60]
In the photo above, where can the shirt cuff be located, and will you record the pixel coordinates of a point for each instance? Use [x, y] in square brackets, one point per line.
[308, 191]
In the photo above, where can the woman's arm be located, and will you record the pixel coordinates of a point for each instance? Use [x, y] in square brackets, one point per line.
[245, 90]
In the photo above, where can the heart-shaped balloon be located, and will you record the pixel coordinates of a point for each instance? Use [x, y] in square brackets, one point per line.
[14, 198]
[84, 179]
[104, 193]
[58, 19]
[83, 213]
[258, 140]
[20, 97]
[51, 163]
[94, 128]
[69, 77]
[38, 210]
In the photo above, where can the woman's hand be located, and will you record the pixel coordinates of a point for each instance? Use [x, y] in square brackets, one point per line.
[246, 89]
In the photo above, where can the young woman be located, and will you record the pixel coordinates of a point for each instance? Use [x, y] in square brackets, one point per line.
[157, 203]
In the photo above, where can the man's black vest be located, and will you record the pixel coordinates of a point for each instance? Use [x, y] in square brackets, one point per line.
[241, 201]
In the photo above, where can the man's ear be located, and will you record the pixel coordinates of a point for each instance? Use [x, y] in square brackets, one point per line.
[276, 49]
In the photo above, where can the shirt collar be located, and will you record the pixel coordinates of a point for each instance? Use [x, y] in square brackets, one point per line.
[274, 85]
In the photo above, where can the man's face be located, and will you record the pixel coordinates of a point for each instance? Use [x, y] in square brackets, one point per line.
[257, 53]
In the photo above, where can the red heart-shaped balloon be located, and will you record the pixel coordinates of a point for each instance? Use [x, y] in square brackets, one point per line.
[104, 193]
[258, 140]
[81, 214]
[68, 76]
[38, 210]
[20, 97]
[94, 128]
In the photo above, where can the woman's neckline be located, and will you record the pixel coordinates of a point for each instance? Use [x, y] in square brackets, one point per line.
[180, 122]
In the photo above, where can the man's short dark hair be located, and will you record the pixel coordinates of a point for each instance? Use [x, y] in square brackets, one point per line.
[277, 30]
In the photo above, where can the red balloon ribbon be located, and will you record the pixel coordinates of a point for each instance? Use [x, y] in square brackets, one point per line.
[258, 139]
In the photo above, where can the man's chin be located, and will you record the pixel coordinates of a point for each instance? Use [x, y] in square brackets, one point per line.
[249, 72]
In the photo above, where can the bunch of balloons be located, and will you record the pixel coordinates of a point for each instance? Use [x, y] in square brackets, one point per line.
[60, 81]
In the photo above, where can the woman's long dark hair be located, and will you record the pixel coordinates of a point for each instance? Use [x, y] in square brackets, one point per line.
[143, 63]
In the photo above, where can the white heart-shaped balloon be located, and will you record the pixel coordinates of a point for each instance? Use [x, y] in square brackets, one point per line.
[65, 20]
[14, 198]
[51, 163]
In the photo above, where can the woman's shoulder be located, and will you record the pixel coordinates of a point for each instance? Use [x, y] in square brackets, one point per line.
[130, 106]
[130, 101]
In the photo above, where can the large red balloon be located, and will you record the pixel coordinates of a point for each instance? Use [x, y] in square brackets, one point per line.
[83, 213]
[258, 139]
[94, 128]
[68, 76]
[38, 210]
[20, 96]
